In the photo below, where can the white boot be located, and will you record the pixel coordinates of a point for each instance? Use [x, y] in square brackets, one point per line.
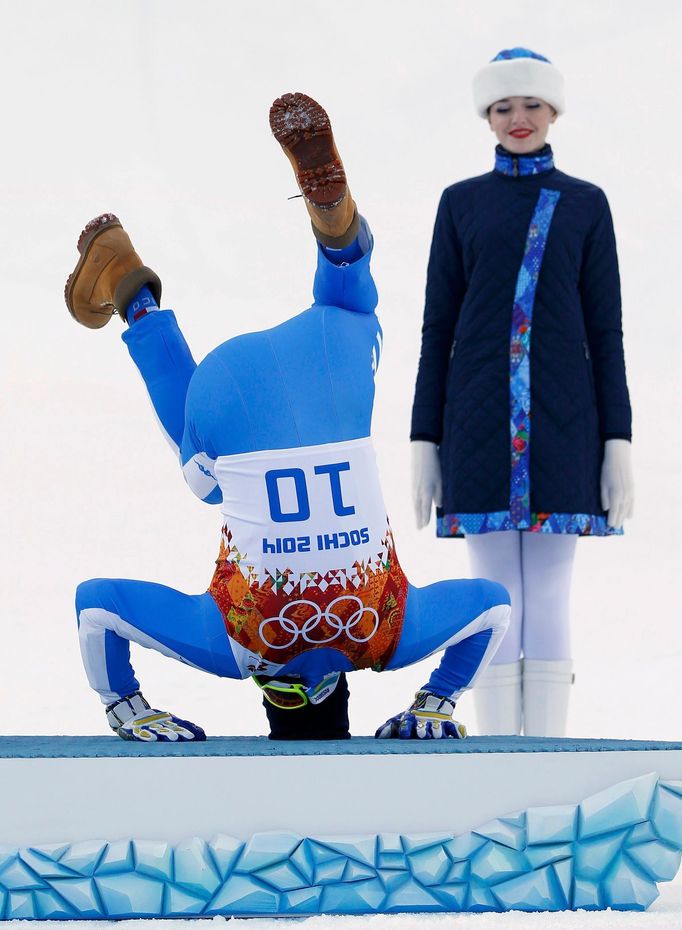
[497, 698]
[546, 690]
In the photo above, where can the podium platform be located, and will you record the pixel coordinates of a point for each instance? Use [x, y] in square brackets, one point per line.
[93, 827]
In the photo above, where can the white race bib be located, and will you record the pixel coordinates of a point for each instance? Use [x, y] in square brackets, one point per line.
[311, 509]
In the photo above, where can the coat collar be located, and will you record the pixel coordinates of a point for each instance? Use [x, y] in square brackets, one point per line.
[522, 165]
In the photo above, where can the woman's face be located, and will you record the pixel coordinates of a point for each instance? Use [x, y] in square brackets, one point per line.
[521, 124]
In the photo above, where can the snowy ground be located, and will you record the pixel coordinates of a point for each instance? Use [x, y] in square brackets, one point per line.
[158, 110]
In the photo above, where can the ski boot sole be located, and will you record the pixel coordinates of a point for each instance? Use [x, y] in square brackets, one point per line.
[302, 128]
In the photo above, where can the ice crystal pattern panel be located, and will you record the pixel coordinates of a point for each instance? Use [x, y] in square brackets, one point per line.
[608, 851]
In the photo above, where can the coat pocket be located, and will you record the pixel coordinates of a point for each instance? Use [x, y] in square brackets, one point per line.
[590, 370]
[451, 369]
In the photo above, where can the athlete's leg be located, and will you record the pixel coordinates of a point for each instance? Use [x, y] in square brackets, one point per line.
[163, 358]
[497, 695]
[112, 613]
[343, 277]
[110, 277]
[302, 128]
[547, 667]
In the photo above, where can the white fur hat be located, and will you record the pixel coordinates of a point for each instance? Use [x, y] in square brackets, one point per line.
[518, 72]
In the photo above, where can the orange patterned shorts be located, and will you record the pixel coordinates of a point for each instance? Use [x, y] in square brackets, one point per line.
[279, 619]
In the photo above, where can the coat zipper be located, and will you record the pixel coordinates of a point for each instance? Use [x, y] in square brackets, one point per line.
[452, 350]
[515, 167]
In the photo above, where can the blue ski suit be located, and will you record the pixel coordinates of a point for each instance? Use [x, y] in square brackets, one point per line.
[274, 428]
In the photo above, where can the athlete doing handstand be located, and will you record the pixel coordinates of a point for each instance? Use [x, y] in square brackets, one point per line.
[274, 427]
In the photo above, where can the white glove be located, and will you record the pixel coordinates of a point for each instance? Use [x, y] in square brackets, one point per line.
[427, 487]
[429, 717]
[617, 484]
[160, 727]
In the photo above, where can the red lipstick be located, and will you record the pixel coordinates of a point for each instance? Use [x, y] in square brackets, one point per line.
[521, 133]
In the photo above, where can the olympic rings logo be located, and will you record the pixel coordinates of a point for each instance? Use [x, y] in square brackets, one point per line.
[319, 617]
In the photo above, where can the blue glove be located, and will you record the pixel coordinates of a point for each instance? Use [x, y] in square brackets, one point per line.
[429, 717]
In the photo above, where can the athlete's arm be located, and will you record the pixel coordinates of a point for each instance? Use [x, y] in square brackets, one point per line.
[343, 277]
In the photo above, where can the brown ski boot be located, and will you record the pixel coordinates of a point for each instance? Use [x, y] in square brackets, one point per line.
[108, 275]
[302, 128]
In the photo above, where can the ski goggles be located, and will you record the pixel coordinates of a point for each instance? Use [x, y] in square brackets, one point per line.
[283, 694]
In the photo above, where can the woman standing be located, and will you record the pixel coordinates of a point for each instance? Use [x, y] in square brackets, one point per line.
[521, 423]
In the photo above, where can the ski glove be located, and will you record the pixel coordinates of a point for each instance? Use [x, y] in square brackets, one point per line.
[617, 484]
[429, 717]
[158, 726]
[426, 480]
[133, 718]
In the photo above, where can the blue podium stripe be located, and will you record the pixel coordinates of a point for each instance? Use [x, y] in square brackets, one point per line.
[89, 747]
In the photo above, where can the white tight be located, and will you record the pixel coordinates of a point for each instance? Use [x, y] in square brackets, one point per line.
[536, 570]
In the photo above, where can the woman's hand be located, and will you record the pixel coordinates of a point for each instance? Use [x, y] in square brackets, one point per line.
[426, 480]
[617, 484]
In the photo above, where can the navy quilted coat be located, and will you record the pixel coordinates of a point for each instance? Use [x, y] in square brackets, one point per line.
[521, 376]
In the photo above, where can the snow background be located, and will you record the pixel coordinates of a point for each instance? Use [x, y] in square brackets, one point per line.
[157, 110]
